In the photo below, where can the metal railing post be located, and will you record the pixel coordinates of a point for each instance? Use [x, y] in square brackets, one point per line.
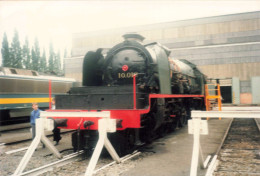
[40, 136]
[227, 112]
[196, 146]
[103, 125]
[32, 147]
[93, 161]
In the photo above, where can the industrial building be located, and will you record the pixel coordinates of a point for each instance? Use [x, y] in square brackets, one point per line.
[225, 47]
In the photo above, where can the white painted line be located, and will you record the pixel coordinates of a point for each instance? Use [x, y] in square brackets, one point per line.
[138, 153]
[212, 166]
[205, 164]
[110, 164]
[103, 167]
[48, 167]
[17, 150]
[123, 159]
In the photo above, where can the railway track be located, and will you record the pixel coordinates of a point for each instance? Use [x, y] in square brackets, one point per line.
[49, 167]
[44, 162]
[14, 127]
[101, 167]
[240, 153]
[69, 159]
[17, 135]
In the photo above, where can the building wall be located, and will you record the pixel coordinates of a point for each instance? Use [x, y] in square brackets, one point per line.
[189, 33]
[242, 70]
[223, 46]
[73, 68]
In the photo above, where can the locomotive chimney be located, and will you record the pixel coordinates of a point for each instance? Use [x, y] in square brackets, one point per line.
[134, 36]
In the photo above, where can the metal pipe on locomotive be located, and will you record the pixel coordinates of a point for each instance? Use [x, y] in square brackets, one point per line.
[166, 91]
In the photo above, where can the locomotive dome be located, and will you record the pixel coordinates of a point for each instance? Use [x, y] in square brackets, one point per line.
[134, 36]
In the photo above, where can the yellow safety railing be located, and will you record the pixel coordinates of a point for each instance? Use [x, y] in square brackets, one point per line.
[210, 100]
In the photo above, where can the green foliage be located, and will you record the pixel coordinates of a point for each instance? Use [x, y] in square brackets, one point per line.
[27, 63]
[5, 52]
[43, 63]
[37, 53]
[34, 60]
[16, 58]
[57, 65]
[51, 58]
[54, 61]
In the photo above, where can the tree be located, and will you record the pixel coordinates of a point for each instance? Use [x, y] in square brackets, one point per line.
[34, 60]
[57, 65]
[65, 53]
[51, 58]
[27, 63]
[16, 58]
[43, 63]
[5, 52]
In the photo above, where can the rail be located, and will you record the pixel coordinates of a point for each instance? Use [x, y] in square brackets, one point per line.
[198, 127]
[49, 167]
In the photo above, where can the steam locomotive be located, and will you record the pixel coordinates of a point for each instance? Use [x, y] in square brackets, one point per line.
[147, 92]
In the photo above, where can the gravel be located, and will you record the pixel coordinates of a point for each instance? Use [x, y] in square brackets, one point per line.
[240, 154]
[42, 156]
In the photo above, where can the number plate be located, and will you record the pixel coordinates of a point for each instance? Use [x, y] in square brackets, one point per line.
[126, 75]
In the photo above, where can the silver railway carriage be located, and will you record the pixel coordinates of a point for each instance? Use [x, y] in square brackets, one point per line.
[20, 87]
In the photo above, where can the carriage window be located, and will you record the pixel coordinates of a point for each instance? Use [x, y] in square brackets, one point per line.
[13, 71]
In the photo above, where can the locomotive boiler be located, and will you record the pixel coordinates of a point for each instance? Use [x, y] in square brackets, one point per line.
[146, 91]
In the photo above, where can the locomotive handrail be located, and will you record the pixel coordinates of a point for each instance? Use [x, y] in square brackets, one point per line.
[134, 90]
[175, 96]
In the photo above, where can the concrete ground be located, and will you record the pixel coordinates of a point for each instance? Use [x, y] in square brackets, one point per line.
[173, 153]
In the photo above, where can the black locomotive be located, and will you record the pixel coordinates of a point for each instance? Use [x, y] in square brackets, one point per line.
[167, 88]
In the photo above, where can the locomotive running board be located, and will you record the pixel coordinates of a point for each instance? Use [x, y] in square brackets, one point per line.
[105, 125]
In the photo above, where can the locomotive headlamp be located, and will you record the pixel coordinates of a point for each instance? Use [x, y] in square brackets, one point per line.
[124, 67]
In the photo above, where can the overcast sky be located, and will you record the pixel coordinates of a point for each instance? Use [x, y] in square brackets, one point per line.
[56, 20]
